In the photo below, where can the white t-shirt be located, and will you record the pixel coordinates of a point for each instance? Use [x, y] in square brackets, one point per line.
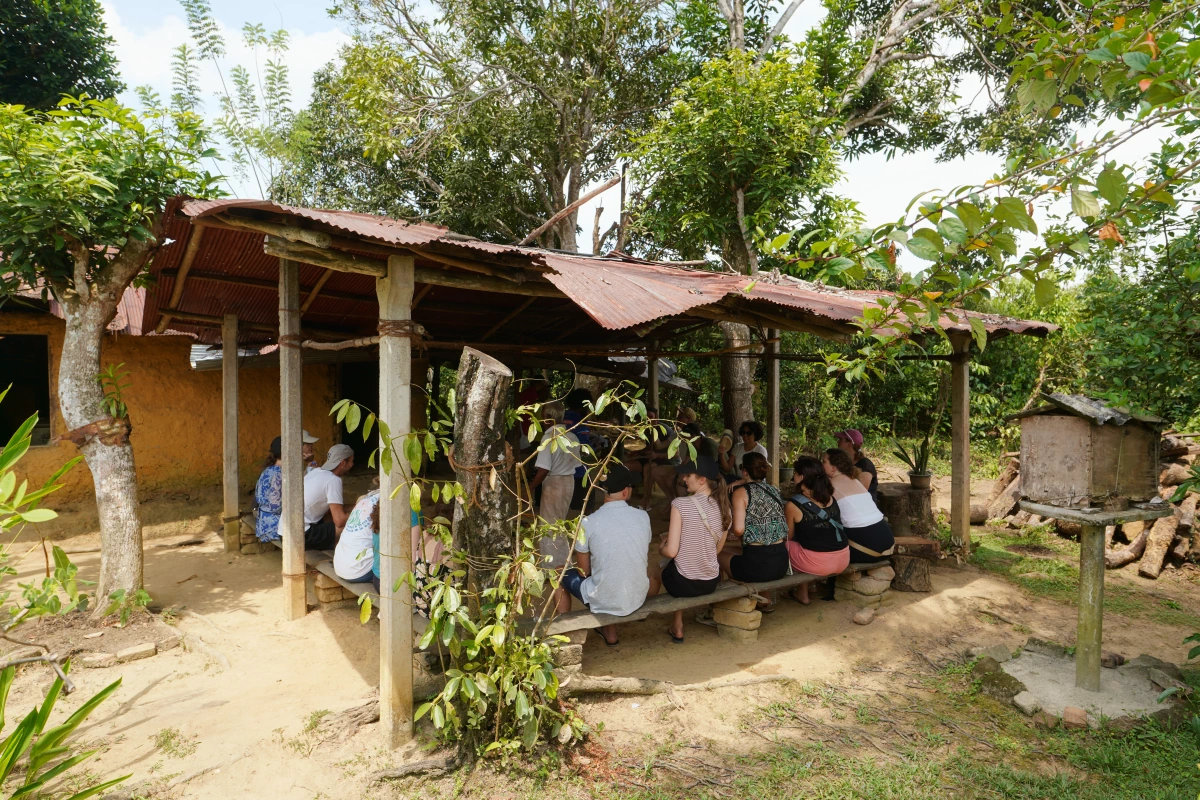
[739, 450]
[321, 487]
[564, 460]
[355, 552]
[617, 536]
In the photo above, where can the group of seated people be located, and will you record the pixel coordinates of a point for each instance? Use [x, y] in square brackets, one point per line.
[726, 520]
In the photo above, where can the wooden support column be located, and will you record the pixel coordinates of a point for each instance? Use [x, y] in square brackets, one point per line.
[960, 442]
[229, 427]
[291, 521]
[773, 432]
[395, 292]
[652, 380]
[1089, 632]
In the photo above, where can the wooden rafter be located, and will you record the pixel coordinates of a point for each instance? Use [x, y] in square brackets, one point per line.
[185, 266]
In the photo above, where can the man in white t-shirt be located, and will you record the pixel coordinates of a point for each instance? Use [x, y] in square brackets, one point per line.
[612, 552]
[324, 512]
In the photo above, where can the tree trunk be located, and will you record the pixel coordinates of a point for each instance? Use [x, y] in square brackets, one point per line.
[105, 448]
[483, 523]
[737, 377]
[1157, 544]
[1119, 558]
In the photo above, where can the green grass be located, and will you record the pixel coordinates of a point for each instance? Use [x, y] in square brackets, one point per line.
[992, 553]
[173, 743]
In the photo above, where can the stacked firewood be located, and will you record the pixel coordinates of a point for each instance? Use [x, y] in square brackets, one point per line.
[1171, 540]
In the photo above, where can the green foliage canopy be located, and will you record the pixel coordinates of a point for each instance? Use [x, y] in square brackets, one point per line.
[51, 48]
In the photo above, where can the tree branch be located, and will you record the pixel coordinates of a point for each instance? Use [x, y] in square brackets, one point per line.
[780, 24]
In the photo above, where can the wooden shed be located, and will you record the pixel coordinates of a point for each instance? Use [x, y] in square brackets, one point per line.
[1077, 451]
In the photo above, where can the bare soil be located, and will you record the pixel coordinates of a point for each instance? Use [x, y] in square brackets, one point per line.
[236, 710]
[79, 633]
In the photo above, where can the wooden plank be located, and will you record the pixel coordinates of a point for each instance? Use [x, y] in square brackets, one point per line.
[774, 456]
[345, 262]
[291, 398]
[509, 317]
[262, 283]
[666, 604]
[1089, 631]
[395, 293]
[1096, 516]
[185, 266]
[960, 442]
[315, 291]
[229, 431]
[291, 233]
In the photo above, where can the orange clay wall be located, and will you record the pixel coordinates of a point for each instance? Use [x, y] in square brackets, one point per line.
[175, 411]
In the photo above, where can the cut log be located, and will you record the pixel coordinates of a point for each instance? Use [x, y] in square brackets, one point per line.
[1187, 519]
[1003, 481]
[483, 525]
[1173, 447]
[1109, 532]
[1073, 530]
[920, 512]
[978, 513]
[1180, 549]
[1174, 474]
[912, 574]
[1157, 544]
[1127, 555]
[929, 549]
[1006, 502]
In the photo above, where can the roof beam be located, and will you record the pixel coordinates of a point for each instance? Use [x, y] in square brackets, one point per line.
[509, 317]
[346, 262]
[208, 320]
[259, 283]
[291, 233]
[185, 266]
[311, 297]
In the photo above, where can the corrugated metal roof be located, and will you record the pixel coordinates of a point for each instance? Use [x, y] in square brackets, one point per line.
[1090, 408]
[617, 293]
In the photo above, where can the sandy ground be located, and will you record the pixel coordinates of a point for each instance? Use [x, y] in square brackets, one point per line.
[245, 685]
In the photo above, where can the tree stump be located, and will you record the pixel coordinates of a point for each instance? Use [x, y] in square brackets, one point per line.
[893, 502]
[912, 574]
[483, 522]
[920, 512]
[1157, 544]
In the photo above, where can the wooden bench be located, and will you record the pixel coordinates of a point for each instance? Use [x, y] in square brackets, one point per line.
[666, 604]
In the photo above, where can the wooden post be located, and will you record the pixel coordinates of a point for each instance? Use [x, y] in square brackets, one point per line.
[652, 380]
[395, 292]
[1091, 608]
[291, 521]
[229, 427]
[773, 432]
[960, 443]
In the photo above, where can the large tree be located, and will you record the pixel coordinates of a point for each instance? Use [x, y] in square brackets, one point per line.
[82, 191]
[51, 48]
[493, 115]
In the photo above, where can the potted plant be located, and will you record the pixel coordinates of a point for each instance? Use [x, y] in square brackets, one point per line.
[919, 475]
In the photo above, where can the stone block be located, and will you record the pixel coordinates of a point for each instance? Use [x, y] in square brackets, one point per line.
[741, 604]
[566, 672]
[863, 616]
[746, 620]
[1027, 703]
[860, 600]
[256, 547]
[1000, 685]
[98, 660]
[576, 637]
[568, 655]
[1143, 664]
[738, 635]
[986, 666]
[323, 581]
[1164, 681]
[1044, 719]
[349, 602]
[996, 651]
[887, 598]
[137, 651]
[1045, 648]
[847, 578]
[882, 573]
[871, 586]
[1074, 718]
[170, 641]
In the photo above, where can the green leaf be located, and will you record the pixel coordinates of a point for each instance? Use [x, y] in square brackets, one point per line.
[414, 496]
[926, 244]
[1012, 211]
[364, 609]
[953, 229]
[970, 215]
[38, 515]
[1136, 60]
[353, 417]
[1101, 54]
[1112, 186]
[1044, 290]
[978, 331]
[1084, 203]
[1043, 93]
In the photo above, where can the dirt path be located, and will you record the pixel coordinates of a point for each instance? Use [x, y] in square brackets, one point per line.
[227, 714]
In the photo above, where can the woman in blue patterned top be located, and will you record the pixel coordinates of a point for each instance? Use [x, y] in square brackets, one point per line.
[268, 494]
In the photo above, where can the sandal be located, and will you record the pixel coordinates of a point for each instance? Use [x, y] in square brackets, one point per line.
[675, 639]
[792, 596]
[704, 617]
[606, 641]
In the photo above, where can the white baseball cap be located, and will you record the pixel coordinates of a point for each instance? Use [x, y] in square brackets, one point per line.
[308, 438]
[337, 454]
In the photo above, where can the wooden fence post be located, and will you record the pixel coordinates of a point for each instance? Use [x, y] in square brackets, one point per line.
[773, 432]
[229, 429]
[652, 380]
[395, 292]
[291, 521]
[960, 442]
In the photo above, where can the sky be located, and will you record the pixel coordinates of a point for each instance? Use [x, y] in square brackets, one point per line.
[146, 32]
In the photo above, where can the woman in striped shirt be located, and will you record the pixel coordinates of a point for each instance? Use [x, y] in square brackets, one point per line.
[700, 523]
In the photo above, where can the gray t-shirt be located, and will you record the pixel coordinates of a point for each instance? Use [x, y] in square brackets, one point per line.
[617, 536]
